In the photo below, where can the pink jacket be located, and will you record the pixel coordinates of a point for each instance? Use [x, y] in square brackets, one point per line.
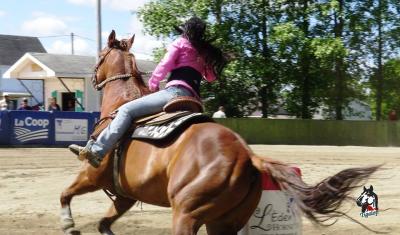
[180, 53]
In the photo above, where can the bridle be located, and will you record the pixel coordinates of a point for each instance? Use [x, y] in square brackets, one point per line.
[99, 86]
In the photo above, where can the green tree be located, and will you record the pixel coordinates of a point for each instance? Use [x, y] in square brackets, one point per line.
[382, 41]
[293, 37]
[391, 86]
[337, 44]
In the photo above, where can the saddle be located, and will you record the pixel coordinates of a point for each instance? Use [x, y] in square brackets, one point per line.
[177, 115]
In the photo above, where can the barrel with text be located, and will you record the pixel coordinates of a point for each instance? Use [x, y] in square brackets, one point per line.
[276, 213]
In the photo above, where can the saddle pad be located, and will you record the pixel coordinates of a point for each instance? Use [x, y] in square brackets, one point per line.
[161, 131]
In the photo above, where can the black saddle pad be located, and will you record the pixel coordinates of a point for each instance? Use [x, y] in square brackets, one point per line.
[168, 129]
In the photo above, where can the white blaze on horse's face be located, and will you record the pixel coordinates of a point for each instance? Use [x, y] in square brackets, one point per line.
[365, 198]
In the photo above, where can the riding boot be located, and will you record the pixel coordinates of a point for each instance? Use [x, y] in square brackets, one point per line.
[85, 153]
[76, 149]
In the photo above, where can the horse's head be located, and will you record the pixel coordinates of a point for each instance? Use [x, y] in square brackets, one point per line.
[117, 66]
[368, 199]
[115, 60]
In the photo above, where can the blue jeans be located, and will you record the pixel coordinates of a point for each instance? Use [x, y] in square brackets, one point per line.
[147, 105]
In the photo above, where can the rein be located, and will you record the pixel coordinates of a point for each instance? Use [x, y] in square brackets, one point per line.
[99, 126]
[113, 78]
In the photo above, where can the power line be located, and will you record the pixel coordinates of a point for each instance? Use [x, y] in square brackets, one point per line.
[54, 36]
[84, 38]
[66, 35]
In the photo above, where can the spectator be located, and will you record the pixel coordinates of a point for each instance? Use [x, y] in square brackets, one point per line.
[53, 106]
[70, 105]
[24, 105]
[5, 103]
[392, 115]
[220, 113]
[38, 107]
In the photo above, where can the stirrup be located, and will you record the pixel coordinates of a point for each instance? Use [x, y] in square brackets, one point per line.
[86, 153]
[93, 159]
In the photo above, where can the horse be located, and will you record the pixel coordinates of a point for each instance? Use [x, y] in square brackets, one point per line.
[368, 200]
[208, 175]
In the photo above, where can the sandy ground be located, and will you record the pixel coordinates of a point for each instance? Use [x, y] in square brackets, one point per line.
[31, 181]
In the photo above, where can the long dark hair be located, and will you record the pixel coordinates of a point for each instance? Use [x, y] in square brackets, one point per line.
[195, 31]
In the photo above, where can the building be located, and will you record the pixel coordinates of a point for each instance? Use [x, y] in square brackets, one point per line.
[66, 77]
[11, 49]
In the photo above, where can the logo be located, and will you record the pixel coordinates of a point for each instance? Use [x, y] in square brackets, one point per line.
[368, 201]
[277, 214]
[23, 132]
[71, 129]
[160, 131]
[29, 121]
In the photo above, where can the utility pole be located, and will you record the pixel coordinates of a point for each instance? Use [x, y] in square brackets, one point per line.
[98, 26]
[99, 95]
[72, 43]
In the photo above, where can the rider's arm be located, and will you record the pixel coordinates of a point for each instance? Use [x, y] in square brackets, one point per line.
[166, 65]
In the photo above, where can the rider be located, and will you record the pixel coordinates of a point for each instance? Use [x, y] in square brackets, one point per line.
[189, 59]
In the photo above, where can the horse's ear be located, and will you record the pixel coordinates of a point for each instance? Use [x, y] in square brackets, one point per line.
[365, 189]
[371, 188]
[130, 42]
[111, 39]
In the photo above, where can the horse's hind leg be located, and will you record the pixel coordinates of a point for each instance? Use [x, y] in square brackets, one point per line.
[80, 186]
[184, 224]
[117, 209]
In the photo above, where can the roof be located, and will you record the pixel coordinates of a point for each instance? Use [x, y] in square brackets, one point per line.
[11, 85]
[70, 66]
[79, 66]
[14, 47]
[67, 65]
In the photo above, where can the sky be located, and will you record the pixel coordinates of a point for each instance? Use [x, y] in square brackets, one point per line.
[54, 20]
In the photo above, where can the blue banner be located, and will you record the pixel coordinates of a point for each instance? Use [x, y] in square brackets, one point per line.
[30, 127]
[46, 128]
[4, 128]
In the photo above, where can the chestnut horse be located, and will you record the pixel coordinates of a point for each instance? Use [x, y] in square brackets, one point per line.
[208, 175]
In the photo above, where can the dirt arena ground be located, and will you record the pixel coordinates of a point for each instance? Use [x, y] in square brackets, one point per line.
[31, 180]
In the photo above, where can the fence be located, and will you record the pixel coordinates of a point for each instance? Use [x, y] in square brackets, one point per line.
[63, 128]
[315, 132]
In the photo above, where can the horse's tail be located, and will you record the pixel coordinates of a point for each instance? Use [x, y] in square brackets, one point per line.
[322, 201]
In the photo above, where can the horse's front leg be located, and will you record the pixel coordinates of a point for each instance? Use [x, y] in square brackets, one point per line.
[117, 209]
[80, 186]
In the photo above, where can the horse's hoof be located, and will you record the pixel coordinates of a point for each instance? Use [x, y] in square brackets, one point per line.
[67, 223]
[72, 231]
[107, 232]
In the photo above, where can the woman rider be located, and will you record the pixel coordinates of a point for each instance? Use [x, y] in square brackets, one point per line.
[189, 59]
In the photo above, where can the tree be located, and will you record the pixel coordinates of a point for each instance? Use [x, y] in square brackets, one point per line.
[294, 37]
[338, 48]
[382, 17]
[391, 86]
